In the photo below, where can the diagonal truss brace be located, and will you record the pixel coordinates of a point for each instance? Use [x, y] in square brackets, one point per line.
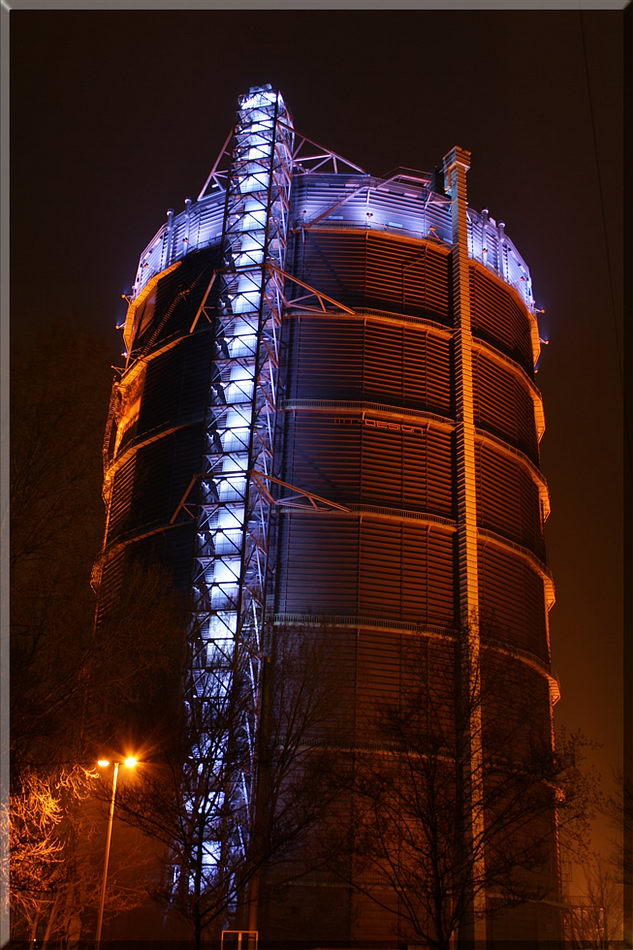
[314, 502]
[346, 198]
[219, 175]
[202, 309]
[308, 157]
[297, 302]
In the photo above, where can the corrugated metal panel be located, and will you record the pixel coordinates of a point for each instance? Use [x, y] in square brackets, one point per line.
[504, 405]
[323, 456]
[327, 362]
[366, 360]
[164, 313]
[402, 672]
[410, 277]
[373, 270]
[334, 263]
[378, 679]
[164, 469]
[177, 383]
[111, 583]
[512, 601]
[318, 564]
[409, 207]
[201, 225]
[410, 471]
[499, 319]
[406, 573]
[350, 462]
[172, 549]
[519, 726]
[508, 499]
[119, 510]
[151, 482]
[428, 685]
[335, 565]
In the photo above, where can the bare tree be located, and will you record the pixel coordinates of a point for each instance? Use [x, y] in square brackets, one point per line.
[75, 691]
[218, 839]
[419, 851]
[595, 918]
[59, 386]
[56, 849]
[619, 808]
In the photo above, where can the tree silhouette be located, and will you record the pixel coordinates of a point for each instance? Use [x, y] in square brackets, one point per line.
[419, 852]
[191, 799]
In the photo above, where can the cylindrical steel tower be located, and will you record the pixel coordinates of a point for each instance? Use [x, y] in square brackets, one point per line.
[371, 344]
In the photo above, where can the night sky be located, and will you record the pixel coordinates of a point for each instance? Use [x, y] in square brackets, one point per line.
[118, 116]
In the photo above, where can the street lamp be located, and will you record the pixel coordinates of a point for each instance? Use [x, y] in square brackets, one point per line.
[130, 762]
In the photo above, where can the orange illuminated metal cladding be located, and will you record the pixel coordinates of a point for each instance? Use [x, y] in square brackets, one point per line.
[129, 330]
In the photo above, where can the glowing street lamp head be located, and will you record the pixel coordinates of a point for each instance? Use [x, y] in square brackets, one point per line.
[130, 761]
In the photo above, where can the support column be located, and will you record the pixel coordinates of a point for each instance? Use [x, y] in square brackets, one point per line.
[456, 164]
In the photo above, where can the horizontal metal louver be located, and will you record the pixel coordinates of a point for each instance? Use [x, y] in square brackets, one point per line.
[508, 500]
[356, 360]
[111, 583]
[517, 727]
[349, 461]
[511, 601]
[150, 484]
[365, 268]
[504, 405]
[342, 566]
[121, 499]
[177, 384]
[499, 319]
[171, 306]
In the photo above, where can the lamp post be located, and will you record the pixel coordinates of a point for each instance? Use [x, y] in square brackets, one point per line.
[130, 762]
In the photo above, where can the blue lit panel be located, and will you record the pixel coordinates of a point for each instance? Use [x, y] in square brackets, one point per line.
[414, 210]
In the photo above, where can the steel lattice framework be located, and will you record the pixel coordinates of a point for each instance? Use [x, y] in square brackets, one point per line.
[230, 560]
